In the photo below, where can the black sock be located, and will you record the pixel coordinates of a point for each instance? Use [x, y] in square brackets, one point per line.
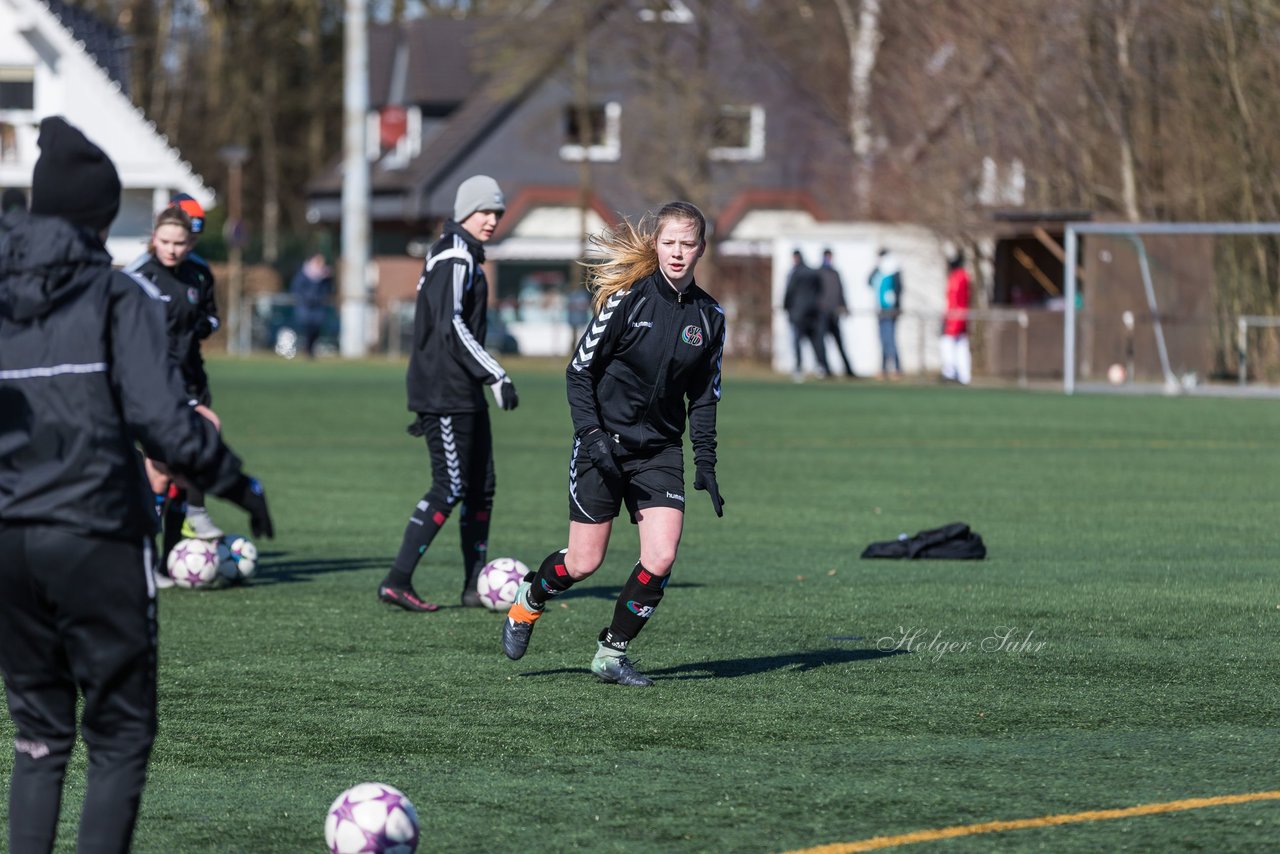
[640, 595]
[551, 579]
[473, 528]
[423, 526]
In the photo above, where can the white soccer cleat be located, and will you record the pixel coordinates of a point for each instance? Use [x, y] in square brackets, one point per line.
[199, 525]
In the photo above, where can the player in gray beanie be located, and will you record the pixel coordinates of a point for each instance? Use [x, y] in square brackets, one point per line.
[448, 370]
[477, 193]
[74, 179]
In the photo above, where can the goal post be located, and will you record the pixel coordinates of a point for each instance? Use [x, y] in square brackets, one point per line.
[1135, 234]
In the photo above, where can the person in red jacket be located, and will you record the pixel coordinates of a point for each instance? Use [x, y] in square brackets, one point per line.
[956, 360]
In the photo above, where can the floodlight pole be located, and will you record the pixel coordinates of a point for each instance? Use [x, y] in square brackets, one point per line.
[355, 181]
[233, 231]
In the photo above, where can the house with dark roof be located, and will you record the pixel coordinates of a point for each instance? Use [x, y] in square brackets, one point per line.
[58, 59]
[671, 109]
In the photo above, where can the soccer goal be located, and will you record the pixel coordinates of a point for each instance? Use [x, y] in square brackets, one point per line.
[1154, 297]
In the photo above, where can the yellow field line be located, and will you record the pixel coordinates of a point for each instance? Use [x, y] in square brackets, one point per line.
[877, 842]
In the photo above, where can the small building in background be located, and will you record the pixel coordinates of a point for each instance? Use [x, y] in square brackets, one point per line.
[59, 59]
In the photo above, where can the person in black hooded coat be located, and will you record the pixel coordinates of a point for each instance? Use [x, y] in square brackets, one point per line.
[85, 379]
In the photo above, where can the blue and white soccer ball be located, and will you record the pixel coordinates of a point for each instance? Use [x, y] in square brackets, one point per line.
[371, 818]
[237, 558]
[193, 563]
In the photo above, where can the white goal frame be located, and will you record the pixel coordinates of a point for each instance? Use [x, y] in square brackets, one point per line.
[1135, 231]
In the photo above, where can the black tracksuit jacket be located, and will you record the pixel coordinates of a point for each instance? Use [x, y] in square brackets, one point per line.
[651, 356]
[191, 314]
[84, 378]
[449, 367]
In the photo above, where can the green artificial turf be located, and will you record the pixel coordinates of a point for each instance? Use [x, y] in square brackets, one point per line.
[1131, 546]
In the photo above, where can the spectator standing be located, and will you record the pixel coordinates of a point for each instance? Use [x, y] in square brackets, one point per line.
[832, 304]
[802, 302]
[84, 378]
[311, 288]
[956, 358]
[886, 284]
[448, 370]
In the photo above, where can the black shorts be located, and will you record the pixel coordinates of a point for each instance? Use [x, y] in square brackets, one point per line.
[651, 480]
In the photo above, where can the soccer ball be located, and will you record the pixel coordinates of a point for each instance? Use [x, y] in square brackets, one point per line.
[498, 582]
[371, 817]
[193, 563]
[237, 558]
[1116, 374]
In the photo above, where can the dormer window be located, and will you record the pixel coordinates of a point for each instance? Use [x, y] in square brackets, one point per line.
[598, 138]
[668, 12]
[738, 133]
[17, 88]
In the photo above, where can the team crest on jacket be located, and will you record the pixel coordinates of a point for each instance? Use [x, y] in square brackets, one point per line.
[193, 296]
[692, 335]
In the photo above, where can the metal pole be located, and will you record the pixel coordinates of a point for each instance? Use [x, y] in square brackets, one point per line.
[236, 255]
[1242, 349]
[1023, 322]
[233, 230]
[1069, 319]
[355, 181]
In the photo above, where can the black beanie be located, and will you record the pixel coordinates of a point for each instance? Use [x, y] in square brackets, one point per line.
[73, 178]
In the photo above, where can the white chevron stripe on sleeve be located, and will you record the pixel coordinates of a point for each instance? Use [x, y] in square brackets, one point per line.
[586, 350]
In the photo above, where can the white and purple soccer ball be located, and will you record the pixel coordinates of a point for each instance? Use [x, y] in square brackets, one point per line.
[499, 581]
[237, 558]
[193, 563]
[371, 818]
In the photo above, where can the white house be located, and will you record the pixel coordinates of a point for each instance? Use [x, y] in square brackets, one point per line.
[56, 59]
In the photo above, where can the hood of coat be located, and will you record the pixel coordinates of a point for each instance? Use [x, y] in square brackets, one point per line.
[42, 264]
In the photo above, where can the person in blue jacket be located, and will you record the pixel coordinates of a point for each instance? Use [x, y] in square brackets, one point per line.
[886, 283]
[311, 289]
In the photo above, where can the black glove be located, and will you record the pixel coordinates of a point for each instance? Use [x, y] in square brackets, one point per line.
[504, 392]
[247, 494]
[600, 448]
[706, 479]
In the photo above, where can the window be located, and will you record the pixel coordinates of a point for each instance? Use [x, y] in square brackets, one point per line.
[738, 133]
[670, 12]
[601, 139]
[17, 88]
[8, 143]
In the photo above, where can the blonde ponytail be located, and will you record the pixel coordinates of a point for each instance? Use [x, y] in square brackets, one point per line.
[630, 252]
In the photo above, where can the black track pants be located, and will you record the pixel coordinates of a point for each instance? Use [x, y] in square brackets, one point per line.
[77, 615]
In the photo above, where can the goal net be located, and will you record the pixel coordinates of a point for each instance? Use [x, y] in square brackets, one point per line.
[1160, 304]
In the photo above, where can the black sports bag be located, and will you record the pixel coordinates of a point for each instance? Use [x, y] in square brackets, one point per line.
[950, 542]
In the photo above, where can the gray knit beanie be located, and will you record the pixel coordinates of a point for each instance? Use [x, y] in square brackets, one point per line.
[477, 193]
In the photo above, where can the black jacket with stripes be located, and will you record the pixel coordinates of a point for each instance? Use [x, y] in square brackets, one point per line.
[650, 357]
[191, 314]
[85, 378]
[448, 366]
